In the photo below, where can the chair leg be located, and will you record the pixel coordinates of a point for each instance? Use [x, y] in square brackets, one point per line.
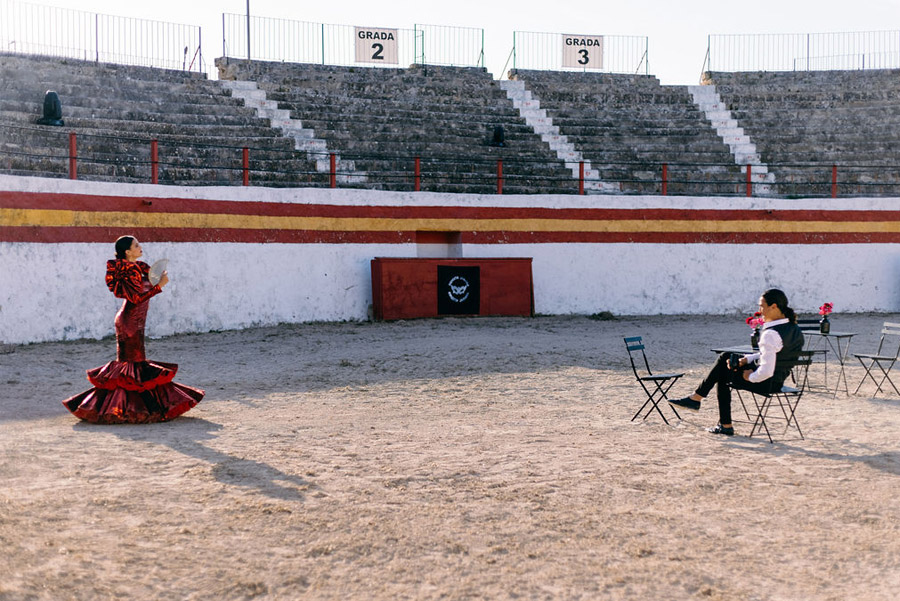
[885, 373]
[658, 395]
[761, 417]
[651, 398]
[793, 415]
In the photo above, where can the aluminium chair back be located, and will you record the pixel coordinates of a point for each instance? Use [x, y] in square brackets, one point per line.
[889, 330]
[808, 325]
[635, 344]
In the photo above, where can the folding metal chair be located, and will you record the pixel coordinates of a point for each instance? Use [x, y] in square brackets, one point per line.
[661, 382]
[880, 359]
[787, 398]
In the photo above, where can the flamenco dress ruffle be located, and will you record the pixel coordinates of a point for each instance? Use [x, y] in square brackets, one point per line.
[132, 389]
[128, 392]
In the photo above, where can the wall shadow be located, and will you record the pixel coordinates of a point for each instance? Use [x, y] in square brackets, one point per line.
[186, 436]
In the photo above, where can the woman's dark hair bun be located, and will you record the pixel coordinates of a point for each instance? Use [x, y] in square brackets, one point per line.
[774, 296]
[123, 244]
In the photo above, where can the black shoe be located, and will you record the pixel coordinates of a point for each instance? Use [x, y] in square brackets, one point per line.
[720, 429]
[687, 403]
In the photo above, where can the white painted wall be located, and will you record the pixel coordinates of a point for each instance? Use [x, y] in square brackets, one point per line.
[647, 279]
[57, 291]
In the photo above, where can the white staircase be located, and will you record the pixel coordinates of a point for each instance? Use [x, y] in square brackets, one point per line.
[742, 147]
[304, 139]
[536, 117]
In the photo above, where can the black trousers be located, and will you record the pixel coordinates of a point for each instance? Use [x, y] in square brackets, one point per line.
[724, 379]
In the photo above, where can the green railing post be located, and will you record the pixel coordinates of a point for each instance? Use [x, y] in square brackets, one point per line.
[482, 48]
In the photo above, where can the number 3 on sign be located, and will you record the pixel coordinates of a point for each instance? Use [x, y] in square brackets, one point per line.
[582, 51]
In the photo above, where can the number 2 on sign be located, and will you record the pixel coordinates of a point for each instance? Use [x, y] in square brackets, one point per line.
[379, 52]
[585, 59]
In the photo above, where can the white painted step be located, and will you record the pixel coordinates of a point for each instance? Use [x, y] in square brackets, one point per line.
[304, 138]
[739, 143]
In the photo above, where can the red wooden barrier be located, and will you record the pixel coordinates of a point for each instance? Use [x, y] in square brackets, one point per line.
[408, 288]
[333, 173]
[418, 175]
[834, 181]
[246, 166]
[73, 156]
[499, 177]
[749, 180]
[154, 161]
[581, 177]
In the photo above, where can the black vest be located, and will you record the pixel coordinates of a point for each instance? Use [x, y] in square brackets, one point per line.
[792, 344]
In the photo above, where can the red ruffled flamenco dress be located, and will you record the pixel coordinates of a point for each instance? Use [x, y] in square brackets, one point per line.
[131, 389]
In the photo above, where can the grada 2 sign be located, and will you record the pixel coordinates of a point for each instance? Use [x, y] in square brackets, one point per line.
[582, 51]
[376, 45]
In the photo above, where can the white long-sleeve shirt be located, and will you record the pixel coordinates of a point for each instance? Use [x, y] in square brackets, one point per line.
[769, 344]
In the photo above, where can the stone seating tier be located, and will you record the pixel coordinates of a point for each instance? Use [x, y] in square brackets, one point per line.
[37, 64]
[25, 112]
[440, 113]
[628, 125]
[116, 111]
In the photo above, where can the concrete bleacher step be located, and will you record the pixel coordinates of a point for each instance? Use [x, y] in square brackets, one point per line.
[304, 138]
[445, 115]
[641, 123]
[530, 109]
[742, 147]
[803, 122]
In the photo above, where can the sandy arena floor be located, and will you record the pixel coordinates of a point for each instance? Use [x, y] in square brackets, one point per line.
[445, 459]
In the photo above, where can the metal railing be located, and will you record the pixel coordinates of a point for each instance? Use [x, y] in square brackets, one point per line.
[46, 30]
[803, 51]
[568, 52]
[165, 161]
[304, 42]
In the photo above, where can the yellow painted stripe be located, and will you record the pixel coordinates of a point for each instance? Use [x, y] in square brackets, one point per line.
[63, 218]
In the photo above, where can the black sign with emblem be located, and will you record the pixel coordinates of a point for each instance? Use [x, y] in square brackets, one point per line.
[459, 290]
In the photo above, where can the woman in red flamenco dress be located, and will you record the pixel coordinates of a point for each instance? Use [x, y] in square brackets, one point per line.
[131, 389]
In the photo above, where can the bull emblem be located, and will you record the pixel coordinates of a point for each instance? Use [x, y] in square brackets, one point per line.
[459, 289]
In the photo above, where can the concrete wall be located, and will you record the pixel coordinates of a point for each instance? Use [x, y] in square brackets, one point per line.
[627, 255]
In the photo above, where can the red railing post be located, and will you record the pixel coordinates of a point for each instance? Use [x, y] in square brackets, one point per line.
[246, 165]
[73, 156]
[749, 180]
[581, 177]
[665, 179]
[333, 172]
[834, 181]
[154, 161]
[499, 176]
[418, 175]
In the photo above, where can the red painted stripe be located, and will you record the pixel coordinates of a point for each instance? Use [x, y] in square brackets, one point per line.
[107, 235]
[79, 202]
[680, 237]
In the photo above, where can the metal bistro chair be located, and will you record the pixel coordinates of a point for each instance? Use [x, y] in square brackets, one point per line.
[661, 382]
[879, 359]
[787, 398]
[810, 325]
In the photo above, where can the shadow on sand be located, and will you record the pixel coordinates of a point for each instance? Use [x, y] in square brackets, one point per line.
[186, 435]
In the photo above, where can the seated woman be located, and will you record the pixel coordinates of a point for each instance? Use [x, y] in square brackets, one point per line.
[763, 372]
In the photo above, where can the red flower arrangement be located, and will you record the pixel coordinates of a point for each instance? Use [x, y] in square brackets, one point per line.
[755, 321]
[825, 309]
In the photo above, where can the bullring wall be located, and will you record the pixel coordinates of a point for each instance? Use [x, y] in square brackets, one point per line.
[250, 256]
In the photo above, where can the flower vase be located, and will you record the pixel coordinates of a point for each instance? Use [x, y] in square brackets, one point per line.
[754, 339]
[824, 325]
